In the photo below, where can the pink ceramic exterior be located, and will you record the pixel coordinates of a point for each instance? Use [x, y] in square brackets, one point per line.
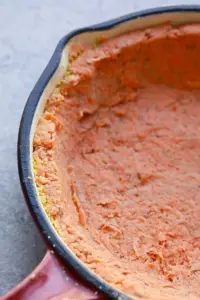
[52, 281]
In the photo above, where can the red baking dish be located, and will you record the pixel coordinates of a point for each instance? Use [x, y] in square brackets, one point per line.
[61, 275]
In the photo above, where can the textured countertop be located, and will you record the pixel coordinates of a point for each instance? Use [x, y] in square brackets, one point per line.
[29, 32]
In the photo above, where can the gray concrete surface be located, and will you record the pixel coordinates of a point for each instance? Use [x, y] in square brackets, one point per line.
[29, 31]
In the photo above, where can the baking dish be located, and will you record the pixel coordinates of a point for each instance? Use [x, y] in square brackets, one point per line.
[60, 265]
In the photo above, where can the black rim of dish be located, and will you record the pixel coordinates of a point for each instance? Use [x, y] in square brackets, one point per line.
[24, 149]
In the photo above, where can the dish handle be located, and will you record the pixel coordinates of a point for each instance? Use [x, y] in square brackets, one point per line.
[51, 281]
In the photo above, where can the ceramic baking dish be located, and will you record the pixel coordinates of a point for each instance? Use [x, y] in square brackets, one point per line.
[61, 275]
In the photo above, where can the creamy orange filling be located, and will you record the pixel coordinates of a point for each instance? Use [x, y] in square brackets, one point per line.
[117, 161]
